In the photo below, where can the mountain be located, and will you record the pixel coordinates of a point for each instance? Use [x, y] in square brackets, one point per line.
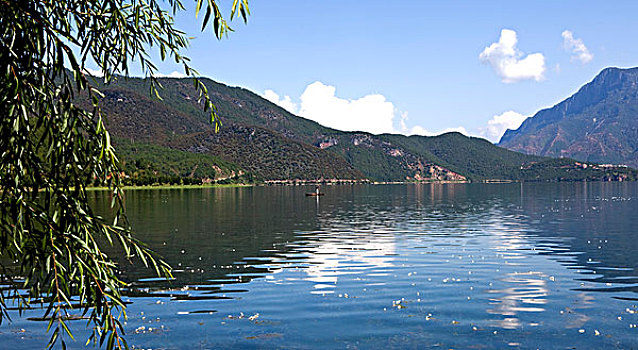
[260, 141]
[139, 122]
[599, 123]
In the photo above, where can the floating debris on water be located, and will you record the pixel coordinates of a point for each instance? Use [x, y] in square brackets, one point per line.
[399, 304]
[243, 316]
[265, 336]
[144, 329]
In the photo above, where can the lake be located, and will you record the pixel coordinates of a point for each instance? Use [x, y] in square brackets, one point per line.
[380, 267]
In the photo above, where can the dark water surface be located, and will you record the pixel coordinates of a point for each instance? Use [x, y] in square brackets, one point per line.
[381, 267]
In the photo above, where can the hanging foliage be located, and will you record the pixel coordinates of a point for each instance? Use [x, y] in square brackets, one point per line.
[51, 241]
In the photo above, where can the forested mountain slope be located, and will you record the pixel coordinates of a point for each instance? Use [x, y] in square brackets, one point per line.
[261, 142]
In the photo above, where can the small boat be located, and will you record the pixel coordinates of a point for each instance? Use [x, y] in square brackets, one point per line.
[314, 194]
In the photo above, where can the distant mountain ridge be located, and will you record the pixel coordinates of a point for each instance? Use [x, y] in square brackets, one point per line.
[261, 141]
[599, 123]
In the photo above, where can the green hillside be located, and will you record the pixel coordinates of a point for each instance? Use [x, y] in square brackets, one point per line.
[259, 153]
[147, 164]
[263, 142]
[477, 158]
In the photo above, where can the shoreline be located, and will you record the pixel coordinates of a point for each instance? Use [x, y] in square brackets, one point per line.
[172, 187]
[332, 183]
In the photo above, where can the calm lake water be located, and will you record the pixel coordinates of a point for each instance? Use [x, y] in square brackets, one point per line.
[381, 267]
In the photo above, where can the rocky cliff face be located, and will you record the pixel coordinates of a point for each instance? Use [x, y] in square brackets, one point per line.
[599, 123]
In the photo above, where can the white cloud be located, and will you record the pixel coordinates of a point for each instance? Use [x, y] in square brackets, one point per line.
[499, 123]
[577, 47]
[508, 62]
[419, 130]
[285, 103]
[371, 113]
[402, 122]
[174, 74]
[98, 73]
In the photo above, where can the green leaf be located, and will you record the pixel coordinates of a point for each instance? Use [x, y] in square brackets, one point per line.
[206, 18]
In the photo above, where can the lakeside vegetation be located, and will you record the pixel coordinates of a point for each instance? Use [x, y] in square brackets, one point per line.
[146, 164]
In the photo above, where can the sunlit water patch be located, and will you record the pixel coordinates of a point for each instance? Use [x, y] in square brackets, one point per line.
[409, 266]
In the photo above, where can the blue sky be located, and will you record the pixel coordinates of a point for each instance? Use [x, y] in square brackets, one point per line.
[415, 66]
